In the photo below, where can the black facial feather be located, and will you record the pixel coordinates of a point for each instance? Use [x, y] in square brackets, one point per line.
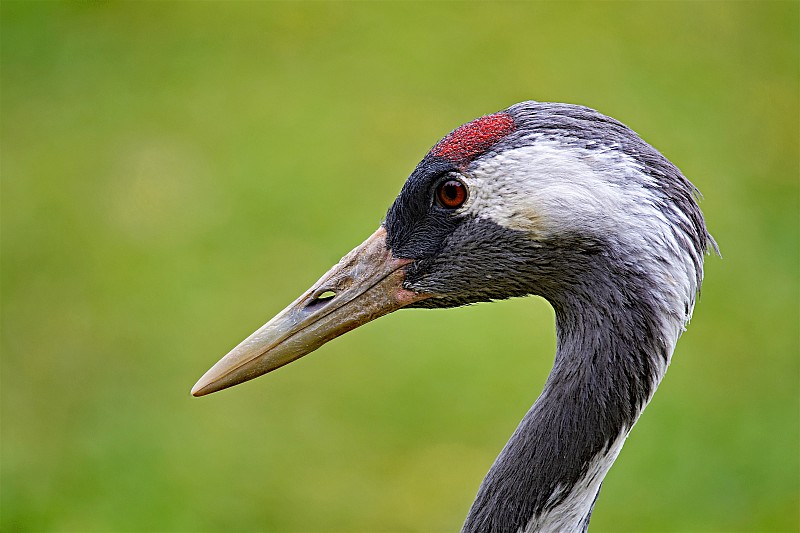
[415, 226]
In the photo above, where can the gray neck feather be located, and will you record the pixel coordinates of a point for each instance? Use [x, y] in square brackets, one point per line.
[612, 352]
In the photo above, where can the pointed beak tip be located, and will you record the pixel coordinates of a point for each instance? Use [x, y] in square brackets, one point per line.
[202, 387]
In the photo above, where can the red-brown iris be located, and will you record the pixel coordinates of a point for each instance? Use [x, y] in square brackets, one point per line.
[451, 194]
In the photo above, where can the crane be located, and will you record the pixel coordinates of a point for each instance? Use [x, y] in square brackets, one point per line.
[550, 199]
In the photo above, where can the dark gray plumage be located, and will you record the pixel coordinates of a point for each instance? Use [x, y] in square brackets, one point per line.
[611, 350]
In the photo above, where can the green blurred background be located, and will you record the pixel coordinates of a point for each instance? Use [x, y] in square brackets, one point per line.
[173, 174]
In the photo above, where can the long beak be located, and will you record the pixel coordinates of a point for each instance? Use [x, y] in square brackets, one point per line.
[366, 284]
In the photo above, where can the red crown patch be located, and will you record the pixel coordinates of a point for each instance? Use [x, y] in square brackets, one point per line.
[474, 138]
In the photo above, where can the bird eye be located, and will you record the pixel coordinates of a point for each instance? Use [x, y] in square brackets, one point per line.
[451, 194]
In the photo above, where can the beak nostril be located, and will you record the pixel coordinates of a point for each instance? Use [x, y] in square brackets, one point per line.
[321, 299]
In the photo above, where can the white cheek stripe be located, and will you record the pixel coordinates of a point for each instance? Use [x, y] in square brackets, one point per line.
[548, 189]
[546, 186]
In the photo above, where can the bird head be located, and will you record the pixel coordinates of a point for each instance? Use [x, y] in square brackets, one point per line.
[547, 199]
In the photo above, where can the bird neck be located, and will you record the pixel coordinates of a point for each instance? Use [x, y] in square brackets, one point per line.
[614, 344]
